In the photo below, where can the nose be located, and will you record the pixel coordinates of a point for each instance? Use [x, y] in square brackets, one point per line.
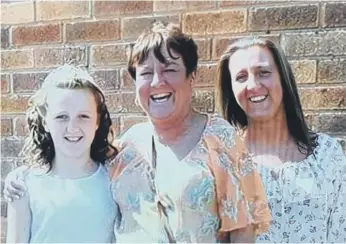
[157, 79]
[252, 83]
[72, 126]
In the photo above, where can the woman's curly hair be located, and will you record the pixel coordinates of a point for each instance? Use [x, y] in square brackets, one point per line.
[38, 147]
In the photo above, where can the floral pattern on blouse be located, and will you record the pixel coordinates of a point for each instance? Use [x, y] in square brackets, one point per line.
[308, 199]
[214, 189]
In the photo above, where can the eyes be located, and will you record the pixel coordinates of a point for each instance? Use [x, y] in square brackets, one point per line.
[243, 76]
[146, 73]
[62, 117]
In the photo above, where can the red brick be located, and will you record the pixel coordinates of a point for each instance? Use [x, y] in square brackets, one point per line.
[133, 27]
[127, 121]
[323, 98]
[304, 70]
[308, 119]
[93, 31]
[221, 43]
[231, 21]
[102, 8]
[225, 3]
[6, 127]
[5, 38]
[113, 102]
[38, 34]
[17, 13]
[128, 103]
[314, 44]
[28, 82]
[11, 147]
[108, 55]
[287, 17]
[20, 126]
[330, 123]
[7, 165]
[168, 6]
[116, 125]
[108, 80]
[334, 14]
[122, 103]
[205, 76]
[204, 48]
[5, 83]
[126, 80]
[13, 104]
[203, 100]
[332, 71]
[55, 10]
[16, 59]
[55, 56]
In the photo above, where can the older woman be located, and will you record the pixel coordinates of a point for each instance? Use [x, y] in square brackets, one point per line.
[182, 176]
[304, 173]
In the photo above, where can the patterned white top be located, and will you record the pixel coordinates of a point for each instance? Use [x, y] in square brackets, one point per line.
[308, 198]
[213, 190]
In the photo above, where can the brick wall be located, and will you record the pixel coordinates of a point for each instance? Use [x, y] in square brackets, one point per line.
[39, 35]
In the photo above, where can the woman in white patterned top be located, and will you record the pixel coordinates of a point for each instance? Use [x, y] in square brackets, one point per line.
[304, 173]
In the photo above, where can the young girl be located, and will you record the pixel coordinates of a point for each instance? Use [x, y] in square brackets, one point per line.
[68, 197]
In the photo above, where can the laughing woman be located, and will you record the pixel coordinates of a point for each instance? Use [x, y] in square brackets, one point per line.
[304, 173]
[183, 176]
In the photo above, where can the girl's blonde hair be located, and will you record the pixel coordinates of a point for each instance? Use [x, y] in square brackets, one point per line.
[38, 147]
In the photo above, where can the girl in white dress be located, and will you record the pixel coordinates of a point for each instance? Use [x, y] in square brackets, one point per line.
[304, 173]
[68, 197]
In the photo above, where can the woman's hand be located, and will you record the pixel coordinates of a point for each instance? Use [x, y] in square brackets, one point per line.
[15, 187]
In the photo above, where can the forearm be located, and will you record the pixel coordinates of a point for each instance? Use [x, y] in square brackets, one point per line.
[18, 222]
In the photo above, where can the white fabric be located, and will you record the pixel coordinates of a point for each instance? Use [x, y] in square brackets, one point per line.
[308, 198]
[71, 210]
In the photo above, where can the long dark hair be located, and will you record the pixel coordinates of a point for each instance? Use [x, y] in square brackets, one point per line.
[38, 147]
[230, 109]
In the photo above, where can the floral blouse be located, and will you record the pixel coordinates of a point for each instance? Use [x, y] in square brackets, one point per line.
[213, 190]
[308, 198]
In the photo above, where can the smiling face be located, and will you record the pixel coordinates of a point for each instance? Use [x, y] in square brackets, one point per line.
[162, 89]
[72, 120]
[256, 83]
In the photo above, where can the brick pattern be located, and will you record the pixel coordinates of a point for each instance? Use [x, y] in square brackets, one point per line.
[38, 35]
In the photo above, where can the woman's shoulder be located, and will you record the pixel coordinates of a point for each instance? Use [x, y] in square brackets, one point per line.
[221, 130]
[327, 144]
[330, 155]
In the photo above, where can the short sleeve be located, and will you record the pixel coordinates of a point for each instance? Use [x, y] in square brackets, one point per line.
[240, 192]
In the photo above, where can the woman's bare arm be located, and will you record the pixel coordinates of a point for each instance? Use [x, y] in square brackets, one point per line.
[18, 221]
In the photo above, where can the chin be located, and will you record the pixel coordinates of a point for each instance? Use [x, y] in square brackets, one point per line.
[160, 116]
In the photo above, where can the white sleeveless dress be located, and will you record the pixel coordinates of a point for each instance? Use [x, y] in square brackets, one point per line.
[71, 210]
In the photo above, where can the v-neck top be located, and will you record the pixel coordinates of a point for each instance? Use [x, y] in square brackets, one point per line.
[214, 189]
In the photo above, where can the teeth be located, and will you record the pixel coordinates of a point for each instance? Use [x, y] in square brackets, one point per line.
[74, 138]
[257, 99]
[161, 95]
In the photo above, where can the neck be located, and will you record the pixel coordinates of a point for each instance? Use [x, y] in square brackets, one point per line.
[269, 133]
[170, 131]
[72, 167]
